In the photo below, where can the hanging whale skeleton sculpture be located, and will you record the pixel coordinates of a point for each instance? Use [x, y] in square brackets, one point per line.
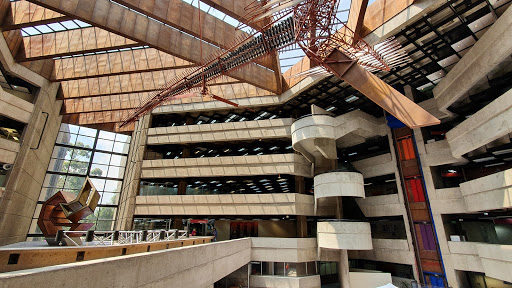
[331, 46]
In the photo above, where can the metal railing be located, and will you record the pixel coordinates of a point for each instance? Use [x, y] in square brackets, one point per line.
[98, 238]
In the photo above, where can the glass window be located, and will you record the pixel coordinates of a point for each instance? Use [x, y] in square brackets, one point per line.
[69, 167]
[107, 135]
[120, 147]
[105, 145]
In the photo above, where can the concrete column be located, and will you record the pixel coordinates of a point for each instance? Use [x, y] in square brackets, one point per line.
[300, 186]
[177, 223]
[302, 226]
[343, 269]
[182, 188]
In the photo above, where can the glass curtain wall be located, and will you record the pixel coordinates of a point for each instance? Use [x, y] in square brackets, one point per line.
[80, 152]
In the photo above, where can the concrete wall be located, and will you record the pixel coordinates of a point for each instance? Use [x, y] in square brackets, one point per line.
[230, 204]
[283, 249]
[292, 164]
[131, 182]
[344, 235]
[369, 279]
[179, 267]
[339, 184]
[8, 150]
[488, 124]
[258, 281]
[26, 178]
[245, 130]
[376, 166]
[15, 107]
[489, 192]
[382, 205]
[387, 250]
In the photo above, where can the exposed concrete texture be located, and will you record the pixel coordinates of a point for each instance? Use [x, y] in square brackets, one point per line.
[314, 136]
[8, 150]
[387, 250]
[26, 178]
[490, 50]
[196, 104]
[344, 235]
[369, 279]
[333, 184]
[15, 107]
[285, 282]
[245, 130]
[381, 206]
[292, 164]
[132, 175]
[376, 166]
[283, 249]
[465, 256]
[488, 193]
[439, 153]
[496, 260]
[448, 201]
[179, 267]
[488, 124]
[230, 204]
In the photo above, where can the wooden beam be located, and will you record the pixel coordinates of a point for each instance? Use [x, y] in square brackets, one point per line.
[233, 8]
[116, 63]
[132, 25]
[132, 100]
[405, 110]
[356, 15]
[26, 14]
[109, 119]
[126, 83]
[72, 42]
[185, 17]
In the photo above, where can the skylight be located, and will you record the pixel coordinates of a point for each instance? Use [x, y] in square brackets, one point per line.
[53, 27]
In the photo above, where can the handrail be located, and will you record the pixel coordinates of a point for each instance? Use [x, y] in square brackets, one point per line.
[42, 132]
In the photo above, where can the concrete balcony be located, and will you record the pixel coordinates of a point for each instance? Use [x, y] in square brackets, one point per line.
[489, 192]
[492, 259]
[293, 164]
[273, 281]
[226, 204]
[387, 250]
[15, 107]
[344, 235]
[321, 134]
[376, 166]
[488, 124]
[332, 184]
[448, 201]
[382, 205]
[284, 249]
[439, 153]
[8, 151]
[231, 131]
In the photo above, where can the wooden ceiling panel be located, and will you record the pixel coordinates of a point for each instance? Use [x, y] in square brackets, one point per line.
[137, 27]
[124, 62]
[26, 14]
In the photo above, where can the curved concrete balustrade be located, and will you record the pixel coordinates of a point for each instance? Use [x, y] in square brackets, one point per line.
[344, 235]
[381, 206]
[315, 135]
[332, 184]
[320, 134]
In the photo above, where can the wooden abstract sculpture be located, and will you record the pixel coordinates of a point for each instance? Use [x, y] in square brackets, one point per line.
[64, 209]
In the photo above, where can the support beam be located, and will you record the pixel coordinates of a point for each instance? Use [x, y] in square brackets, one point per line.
[72, 42]
[25, 14]
[117, 63]
[185, 17]
[380, 92]
[127, 83]
[356, 15]
[233, 8]
[139, 28]
[110, 118]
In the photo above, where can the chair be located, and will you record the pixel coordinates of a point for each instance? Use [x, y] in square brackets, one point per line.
[84, 204]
